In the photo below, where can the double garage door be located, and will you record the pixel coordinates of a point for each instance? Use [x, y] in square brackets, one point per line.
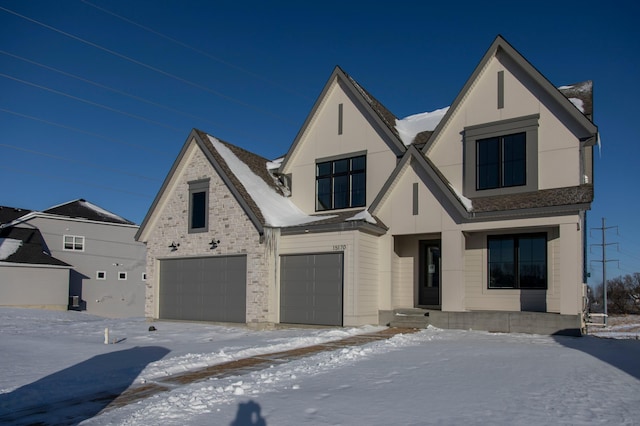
[311, 289]
[204, 289]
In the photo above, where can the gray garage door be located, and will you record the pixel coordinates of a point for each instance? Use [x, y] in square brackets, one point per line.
[311, 289]
[204, 289]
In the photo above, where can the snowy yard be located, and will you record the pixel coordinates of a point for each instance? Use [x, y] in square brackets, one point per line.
[56, 369]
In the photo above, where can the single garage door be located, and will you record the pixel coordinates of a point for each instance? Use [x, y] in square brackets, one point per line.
[311, 289]
[204, 289]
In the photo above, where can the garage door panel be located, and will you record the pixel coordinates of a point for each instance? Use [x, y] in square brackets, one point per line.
[311, 289]
[203, 289]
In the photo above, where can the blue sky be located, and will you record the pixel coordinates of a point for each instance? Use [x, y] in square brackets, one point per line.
[97, 106]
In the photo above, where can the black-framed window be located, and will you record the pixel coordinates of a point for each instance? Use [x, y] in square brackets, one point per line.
[198, 205]
[501, 161]
[517, 261]
[341, 183]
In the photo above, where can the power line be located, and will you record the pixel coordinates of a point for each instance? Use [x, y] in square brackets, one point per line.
[86, 101]
[194, 49]
[120, 92]
[79, 182]
[84, 163]
[150, 67]
[604, 261]
[75, 129]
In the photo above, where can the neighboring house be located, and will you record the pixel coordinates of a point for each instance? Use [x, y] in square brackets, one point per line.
[108, 265]
[29, 276]
[473, 214]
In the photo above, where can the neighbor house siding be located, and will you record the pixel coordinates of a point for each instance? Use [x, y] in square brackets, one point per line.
[33, 286]
[228, 223]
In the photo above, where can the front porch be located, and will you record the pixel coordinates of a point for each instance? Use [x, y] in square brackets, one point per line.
[491, 321]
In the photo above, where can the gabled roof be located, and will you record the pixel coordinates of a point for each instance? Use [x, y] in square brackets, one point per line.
[500, 44]
[25, 246]
[247, 176]
[85, 210]
[9, 214]
[535, 202]
[378, 112]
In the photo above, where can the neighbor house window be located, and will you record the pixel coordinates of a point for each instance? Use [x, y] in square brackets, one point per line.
[144, 276]
[501, 161]
[517, 261]
[501, 157]
[101, 275]
[341, 183]
[122, 276]
[73, 243]
[198, 205]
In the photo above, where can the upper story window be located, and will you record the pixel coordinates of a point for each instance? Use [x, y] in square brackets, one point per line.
[501, 157]
[517, 261]
[198, 205]
[341, 182]
[501, 161]
[73, 243]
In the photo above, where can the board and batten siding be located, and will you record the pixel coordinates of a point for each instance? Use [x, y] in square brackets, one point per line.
[367, 285]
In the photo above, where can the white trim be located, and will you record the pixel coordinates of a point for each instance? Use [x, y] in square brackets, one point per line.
[120, 274]
[64, 242]
[32, 215]
[104, 275]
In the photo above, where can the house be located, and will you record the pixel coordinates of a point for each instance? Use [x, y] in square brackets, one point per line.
[30, 276]
[471, 216]
[105, 265]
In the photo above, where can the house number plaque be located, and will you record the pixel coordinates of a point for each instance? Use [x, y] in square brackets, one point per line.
[339, 247]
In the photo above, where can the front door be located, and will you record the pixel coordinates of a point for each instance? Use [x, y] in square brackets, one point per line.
[429, 279]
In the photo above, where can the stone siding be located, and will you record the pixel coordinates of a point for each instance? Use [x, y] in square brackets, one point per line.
[227, 223]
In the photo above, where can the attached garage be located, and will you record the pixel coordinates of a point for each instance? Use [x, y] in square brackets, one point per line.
[311, 288]
[204, 289]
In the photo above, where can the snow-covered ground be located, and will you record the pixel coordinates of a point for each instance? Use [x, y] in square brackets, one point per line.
[58, 361]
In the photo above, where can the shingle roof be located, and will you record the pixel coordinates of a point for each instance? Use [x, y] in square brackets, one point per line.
[32, 251]
[9, 214]
[582, 194]
[83, 209]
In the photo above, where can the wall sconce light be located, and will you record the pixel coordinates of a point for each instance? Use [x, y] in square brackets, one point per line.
[173, 246]
[214, 243]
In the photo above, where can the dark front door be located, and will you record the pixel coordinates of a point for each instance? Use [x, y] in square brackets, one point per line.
[429, 280]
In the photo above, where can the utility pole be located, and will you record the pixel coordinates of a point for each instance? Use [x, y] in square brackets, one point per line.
[604, 261]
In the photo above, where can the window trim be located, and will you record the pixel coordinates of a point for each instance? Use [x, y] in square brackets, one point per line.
[196, 187]
[516, 238]
[73, 242]
[349, 173]
[122, 275]
[104, 275]
[526, 124]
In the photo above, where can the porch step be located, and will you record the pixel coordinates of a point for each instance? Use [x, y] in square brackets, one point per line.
[410, 318]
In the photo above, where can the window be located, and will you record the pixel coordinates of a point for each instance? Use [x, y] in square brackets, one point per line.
[144, 276]
[517, 261]
[198, 205]
[501, 157]
[122, 276]
[341, 183]
[501, 161]
[73, 243]
[101, 275]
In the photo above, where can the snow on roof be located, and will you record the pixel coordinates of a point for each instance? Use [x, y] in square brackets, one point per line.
[100, 210]
[275, 164]
[276, 209]
[364, 215]
[8, 246]
[579, 103]
[410, 126]
[467, 203]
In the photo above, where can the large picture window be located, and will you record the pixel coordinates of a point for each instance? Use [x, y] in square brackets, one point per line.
[517, 261]
[501, 161]
[198, 205]
[341, 183]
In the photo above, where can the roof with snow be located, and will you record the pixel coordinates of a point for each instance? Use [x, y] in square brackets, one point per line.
[25, 245]
[85, 210]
